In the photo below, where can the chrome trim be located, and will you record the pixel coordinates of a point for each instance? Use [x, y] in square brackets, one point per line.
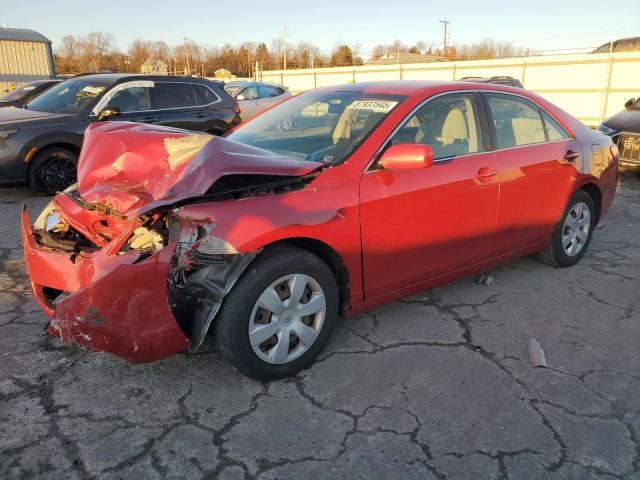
[449, 92]
[92, 114]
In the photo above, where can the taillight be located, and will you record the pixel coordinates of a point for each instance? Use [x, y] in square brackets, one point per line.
[236, 109]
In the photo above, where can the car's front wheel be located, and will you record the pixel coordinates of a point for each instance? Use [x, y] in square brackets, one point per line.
[572, 234]
[279, 315]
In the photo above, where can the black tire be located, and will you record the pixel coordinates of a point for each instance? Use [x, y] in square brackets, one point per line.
[52, 170]
[231, 329]
[555, 254]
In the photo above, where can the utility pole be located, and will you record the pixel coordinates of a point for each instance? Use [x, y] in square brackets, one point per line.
[186, 55]
[284, 52]
[444, 47]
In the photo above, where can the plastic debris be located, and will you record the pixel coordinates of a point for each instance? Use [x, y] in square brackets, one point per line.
[487, 278]
[536, 354]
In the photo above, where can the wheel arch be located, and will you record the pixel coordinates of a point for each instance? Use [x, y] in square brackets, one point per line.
[35, 149]
[330, 256]
[596, 195]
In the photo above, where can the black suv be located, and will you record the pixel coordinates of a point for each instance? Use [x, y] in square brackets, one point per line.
[40, 143]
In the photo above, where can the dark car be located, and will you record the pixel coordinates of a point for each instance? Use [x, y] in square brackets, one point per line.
[624, 130]
[621, 45]
[40, 143]
[27, 92]
[498, 80]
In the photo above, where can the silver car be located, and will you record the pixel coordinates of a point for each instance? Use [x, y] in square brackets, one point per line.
[254, 97]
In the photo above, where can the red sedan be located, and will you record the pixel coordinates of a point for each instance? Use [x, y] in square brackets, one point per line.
[335, 201]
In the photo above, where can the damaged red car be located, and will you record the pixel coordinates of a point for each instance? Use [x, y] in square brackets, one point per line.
[373, 192]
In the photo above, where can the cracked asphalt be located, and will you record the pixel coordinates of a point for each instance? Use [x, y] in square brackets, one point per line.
[436, 386]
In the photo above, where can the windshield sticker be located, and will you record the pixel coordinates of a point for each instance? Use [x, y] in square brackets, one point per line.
[91, 90]
[380, 106]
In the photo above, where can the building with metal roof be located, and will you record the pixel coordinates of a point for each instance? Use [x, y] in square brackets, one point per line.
[25, 55]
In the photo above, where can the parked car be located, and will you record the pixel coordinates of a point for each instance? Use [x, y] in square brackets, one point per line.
[624, 130]
[266, 235]
[498, 80]
[254, 97]
[27, 92]
[40, 143]
[631, 44]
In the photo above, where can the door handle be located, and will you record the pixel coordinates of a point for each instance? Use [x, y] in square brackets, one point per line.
[148, 120]
[486, 172]
[570, 157]
[200, 115]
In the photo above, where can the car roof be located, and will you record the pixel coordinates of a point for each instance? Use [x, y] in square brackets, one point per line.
[117, 77]
[43, 82]
[410, 87]
[251, 83]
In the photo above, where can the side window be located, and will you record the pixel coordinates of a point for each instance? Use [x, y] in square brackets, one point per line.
[554, 129]
[449, 124]
[204, 95]
[267, 91]
[249, 93]
[280, 91]
[517, 121]
[174, 95]
[132, 99]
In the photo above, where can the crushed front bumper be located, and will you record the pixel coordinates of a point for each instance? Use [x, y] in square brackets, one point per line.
[112, 303]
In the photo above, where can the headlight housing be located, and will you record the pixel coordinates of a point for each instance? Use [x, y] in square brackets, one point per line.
[607, 130]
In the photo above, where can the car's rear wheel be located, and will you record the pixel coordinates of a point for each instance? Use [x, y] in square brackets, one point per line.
[53, 169]
[572, 234]
[279, 315]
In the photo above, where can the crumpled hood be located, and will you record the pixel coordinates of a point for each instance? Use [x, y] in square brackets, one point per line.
[133, 168]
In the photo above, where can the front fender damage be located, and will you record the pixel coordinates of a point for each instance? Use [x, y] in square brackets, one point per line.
[204, 270]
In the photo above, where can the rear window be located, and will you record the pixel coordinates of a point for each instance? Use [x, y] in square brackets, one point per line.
[267, 91]
[204, 95]
[174, 95]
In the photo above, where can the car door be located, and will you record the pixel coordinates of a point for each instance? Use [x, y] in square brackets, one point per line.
[248, 101]
[537, 161]
[422, 223]
[175, 105]
[268, 96]
[133, 99]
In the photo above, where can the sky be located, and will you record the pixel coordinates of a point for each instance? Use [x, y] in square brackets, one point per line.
[542, 25]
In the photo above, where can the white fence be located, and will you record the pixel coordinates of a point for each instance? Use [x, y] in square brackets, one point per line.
[590, 86]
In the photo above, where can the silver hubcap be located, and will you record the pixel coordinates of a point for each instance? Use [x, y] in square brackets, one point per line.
[287, 318]
[575, 230]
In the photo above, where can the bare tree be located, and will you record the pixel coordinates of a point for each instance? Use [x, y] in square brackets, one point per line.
[95, 46]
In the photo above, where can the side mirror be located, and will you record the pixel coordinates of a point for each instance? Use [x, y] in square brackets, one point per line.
[240, 97]
[107, 112]
[407, 156]
[629, 102]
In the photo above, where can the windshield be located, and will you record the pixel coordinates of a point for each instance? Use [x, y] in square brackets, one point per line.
[321, 126]
[18, 93]
[70, 96]
[233, 89]
[636, 104]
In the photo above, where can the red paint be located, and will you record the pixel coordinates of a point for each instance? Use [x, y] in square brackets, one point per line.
[126, 166]
[396, 231]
